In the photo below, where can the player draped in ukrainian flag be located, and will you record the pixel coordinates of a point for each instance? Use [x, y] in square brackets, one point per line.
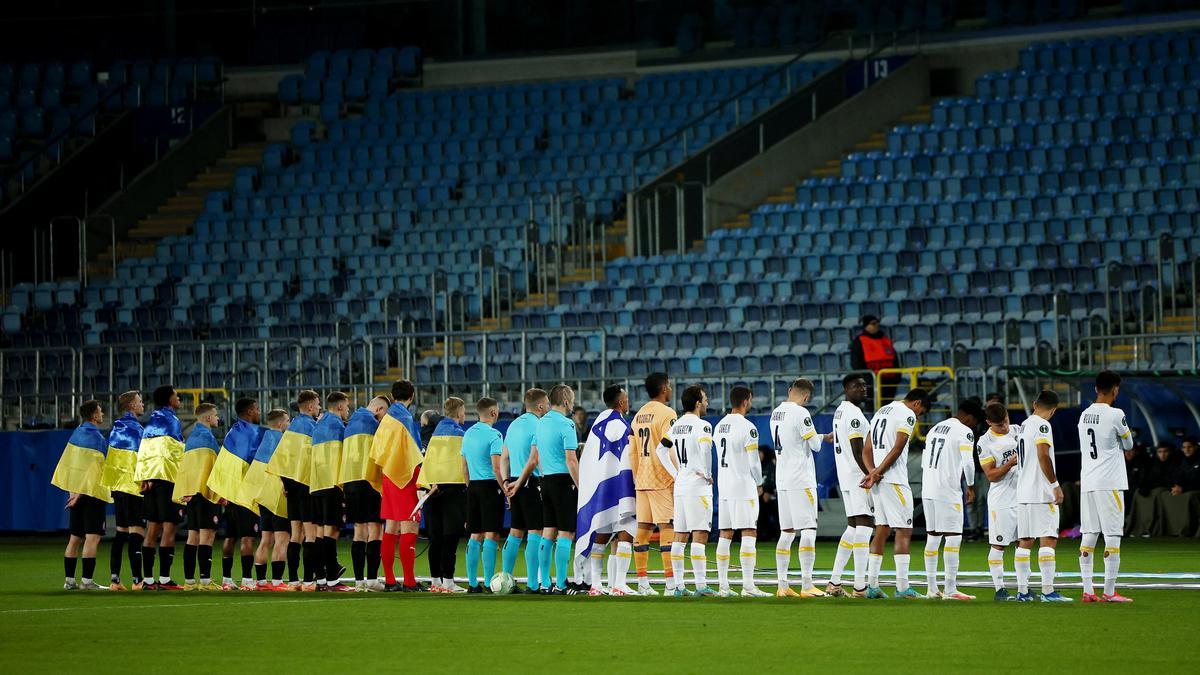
[326, 493]
[225, 481]
[361, 482]
[79, 473]
[442, 473]
[292, 462]
[655, 487]
[397, 450]
[119, 467]
[191, 488]
[266, 491]
[159, 455]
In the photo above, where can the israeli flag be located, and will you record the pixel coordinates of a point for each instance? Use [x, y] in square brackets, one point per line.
[606, 495]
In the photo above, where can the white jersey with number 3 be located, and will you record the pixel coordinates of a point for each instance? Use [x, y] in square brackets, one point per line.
[1103, 438]
[691, 442]
[892, 419]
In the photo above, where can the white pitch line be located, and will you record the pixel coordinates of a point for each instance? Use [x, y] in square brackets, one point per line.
[109, 608]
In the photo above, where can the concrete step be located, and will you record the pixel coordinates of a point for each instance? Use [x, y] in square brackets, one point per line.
[536, 300]
[920, 115]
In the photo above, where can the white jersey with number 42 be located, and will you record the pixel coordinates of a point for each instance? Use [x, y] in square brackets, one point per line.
[1103, 438]
[892, 419]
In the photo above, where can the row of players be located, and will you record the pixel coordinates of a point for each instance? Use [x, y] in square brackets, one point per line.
[298, 474]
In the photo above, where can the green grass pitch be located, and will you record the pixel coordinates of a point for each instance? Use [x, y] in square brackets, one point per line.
[43, 628]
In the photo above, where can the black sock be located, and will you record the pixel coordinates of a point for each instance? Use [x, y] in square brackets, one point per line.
[293, 561]
[189, 562]
[69, 566]
[450, 555]
[277, 567]
[166, 556]
[89, 568]
[115, 554]
[247, 565]
[135, 555]
[310, 561]
[227, 567]
[358, 558]
[148, 563]
[260, 571]
[374, 548]
[331, 562]
[205, 554]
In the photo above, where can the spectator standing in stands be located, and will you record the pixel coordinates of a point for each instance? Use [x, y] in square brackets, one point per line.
[579, 416]
[873, 350]
[1161, 473]
[1187, 475]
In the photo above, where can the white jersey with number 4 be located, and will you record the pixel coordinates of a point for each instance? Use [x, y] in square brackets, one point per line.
[691, 441]
[946, 460]
[892, 419]
[795, 442]
[849, 423]
[1032, 485]
[996, 450]
[1103, 439]
[739, 471]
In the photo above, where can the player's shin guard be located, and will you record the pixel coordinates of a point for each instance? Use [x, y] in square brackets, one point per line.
[115, 553]
[312, 560]
[204, 560]
[874, 564]
[474, 550]
[562, 561]
[723, 547]
[595, 563]
[89, 569]
[373, 549]
[533, 559]
[902, 563]
[621, 566]
[950, 561]
[277, 571]
[749, 556]
[862, 543]
[148, 563]
[189, 563]
[666, 535]
[1112, 563]
[996, 567]
[678, 560]
[641, 551]
[545, 562]
[808, 557]
[1022, 565]
[293, 561]
[699, 565]
[166, 556]
[512, 548]
[783, 557]
[408, 557]
[387, 557]
[329, 546]
[490, 548]
[1046, 564]
[1087, 562]
[358, 558]
[135, 555]
[932, 543]
[845, 549]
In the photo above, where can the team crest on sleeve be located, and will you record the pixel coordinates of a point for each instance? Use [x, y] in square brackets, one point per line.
[753, 432]
[970, 437]
[911, 419]
[808, 421]
[1045, 428]
[854, 424]
[1123, 422]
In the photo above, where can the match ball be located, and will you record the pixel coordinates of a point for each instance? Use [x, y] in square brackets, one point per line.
[502, 583]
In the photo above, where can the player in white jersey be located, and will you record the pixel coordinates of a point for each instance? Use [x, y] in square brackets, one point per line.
[849, 429]
[998, 459]
[686, 452]
[1104, 437]
[1038, 499]
[739, 475]
[947, 460]
[796, 483]
[886, 458]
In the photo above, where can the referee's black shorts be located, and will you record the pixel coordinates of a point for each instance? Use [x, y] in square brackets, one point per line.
[559, 498]
[327, 507]
[485, 507]
[362, 502]
[526, 506]
[297, 501]
[128, 509]
[87, 517]
[202, 514]
[240, 522]
[157, 505]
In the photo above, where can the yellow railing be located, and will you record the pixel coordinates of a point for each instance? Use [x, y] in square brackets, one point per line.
[914, 374]
[198, 394]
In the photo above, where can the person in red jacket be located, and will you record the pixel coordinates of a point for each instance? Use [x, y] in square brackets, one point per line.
[872, 350]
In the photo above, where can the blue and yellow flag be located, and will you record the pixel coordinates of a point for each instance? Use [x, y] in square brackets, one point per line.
[237, 451]
[161, 448]
[199, 454]
[356, 450]
[120, 466]
[81, 467]
[260, 487]
[293, 455]
[326, 452]
[396, 447]
[443, 455]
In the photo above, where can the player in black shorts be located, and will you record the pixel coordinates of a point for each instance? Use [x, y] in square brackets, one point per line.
[482, 446]
[523, 489]
[191, 488]
[446, 508]
[79, 473]
[119, 468]
[159, 456]
[359, 476]
[276, 544]
[327, 501]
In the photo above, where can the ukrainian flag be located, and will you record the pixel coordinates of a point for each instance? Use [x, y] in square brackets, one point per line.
[120, 466]
[237, 451]
[443, 457]
[81, 466]
[198, 457]
[259, 486]
[161, 448]
[396, 447]
[356, 450]
[293, 455]
[326, 452]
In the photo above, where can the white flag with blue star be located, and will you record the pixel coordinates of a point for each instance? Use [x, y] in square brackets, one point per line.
[606, 495]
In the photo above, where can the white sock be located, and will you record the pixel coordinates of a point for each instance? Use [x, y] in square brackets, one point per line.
[188, 581]
[608, 568]
[874, 563]
[700, 565]
[595, 563]
[902, 561]
[950, 562]
[846, 548]
[163, 580]
[1046, 564]
[85, 580]
[783, 557]
[862, 544]
[932, 543]
[578, 565]
[678, 550]
[1087, 562]
[749, 556]
[1022, 565]
[1112, 563]
[808, 556]
[996, 567]
[621, 567]
[723, 546]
